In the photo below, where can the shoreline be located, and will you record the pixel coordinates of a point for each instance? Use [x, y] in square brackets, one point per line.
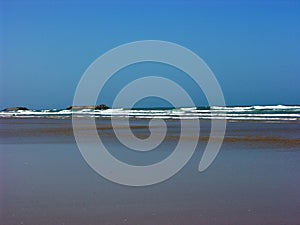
[295, 121]
[239, 132]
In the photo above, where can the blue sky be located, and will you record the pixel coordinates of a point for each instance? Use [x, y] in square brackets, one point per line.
[253, 48]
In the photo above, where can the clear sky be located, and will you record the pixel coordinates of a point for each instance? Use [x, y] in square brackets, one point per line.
[253, 48]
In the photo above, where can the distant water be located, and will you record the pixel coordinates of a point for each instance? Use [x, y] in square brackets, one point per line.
[239, 113]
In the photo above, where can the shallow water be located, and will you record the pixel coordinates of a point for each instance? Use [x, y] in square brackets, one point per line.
[45, 180]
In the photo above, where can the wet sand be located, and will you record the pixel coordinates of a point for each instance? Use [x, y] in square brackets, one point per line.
[254, 179]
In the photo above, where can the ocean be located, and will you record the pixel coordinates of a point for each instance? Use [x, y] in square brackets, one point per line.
[248, 113]
[254, 179]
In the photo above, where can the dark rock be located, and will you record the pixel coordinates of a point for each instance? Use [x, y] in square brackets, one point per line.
[101, 107]
[14, 109]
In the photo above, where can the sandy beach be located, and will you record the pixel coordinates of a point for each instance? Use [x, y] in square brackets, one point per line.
[45, 180]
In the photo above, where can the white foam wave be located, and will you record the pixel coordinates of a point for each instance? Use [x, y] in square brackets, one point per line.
[268, 113]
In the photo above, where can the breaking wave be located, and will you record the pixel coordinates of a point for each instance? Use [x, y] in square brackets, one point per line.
[245, 113]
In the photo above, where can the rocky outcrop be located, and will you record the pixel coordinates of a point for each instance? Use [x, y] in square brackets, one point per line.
[102, 106]
[99, 107]
[14, 109]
